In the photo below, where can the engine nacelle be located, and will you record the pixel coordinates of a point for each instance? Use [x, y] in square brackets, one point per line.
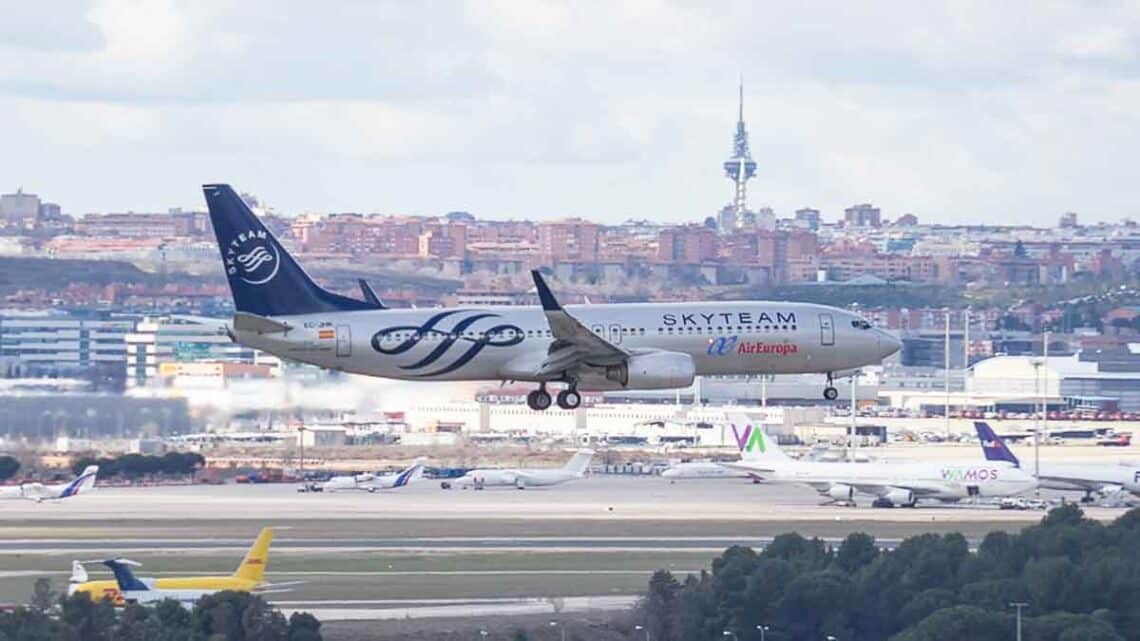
[841, 492]
[655, 370]
[900, 497]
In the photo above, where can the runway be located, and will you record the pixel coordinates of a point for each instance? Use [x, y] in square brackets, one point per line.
[601, 536]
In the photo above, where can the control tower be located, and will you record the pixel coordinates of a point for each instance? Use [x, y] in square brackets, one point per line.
[739, 168]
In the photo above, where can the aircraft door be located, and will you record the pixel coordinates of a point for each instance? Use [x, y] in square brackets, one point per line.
[826, 329]
[343, 341]
[615, 334]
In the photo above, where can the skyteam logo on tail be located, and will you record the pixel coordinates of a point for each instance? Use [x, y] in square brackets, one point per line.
[751, 440]
[252, 257]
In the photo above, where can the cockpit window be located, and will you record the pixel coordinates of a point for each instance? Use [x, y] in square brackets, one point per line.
[860, 324]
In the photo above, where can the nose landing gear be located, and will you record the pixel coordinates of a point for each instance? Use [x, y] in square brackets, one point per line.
[829, 392]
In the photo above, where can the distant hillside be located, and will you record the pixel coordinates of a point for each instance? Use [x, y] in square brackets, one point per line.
[49, 273]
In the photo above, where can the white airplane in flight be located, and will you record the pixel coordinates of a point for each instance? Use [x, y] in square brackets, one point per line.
[1090, 478]
[892, 484]
[39, 492]
[374, 482]
[523, 478]
[280, 310]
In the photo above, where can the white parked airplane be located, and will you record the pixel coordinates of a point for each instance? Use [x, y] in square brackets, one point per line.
[39, 492]
[280, 310]
[523, 478]
[1090, 478]
[701, 470]
[374, 482]
[892, 484]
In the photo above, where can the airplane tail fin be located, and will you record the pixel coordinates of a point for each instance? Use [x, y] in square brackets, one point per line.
[81, 483]
[579, 462]
[252, 567]
[78, 574]
[752, 441]
[123, 575]
[264, 279]
[413, 473]
[993, 446]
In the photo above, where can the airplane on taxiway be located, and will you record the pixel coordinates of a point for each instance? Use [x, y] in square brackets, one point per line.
[523, 478]
[1090, 478]
[127, 588]
[636, 346]
[891, 484]
[375, 482]
[39, 492]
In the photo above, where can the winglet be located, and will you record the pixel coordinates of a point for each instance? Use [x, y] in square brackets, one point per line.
[370, 294]
[549, 302]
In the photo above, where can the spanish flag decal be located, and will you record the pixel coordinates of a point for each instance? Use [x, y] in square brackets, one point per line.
[326, 334]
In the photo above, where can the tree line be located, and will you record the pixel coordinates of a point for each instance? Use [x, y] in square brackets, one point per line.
[1080, 579]
[225, 616]
[134, 466]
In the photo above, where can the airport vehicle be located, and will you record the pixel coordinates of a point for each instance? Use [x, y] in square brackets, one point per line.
[127, 588]
[1090, 478]
[523, 478]
[280, 310]
[375, 482]
[39, 492]
[895, 484]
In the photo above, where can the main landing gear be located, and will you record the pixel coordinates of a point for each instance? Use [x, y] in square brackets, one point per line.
[829, 392]
[567, 399]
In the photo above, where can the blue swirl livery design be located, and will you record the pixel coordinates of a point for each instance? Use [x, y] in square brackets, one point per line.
[459, 338]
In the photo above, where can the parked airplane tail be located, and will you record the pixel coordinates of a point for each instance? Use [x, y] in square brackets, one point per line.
[81, 483]
[993, 446]
[123, 575]
[752, 441]
[579, 462]
[252, 567]
[264, 279]
[411, 474]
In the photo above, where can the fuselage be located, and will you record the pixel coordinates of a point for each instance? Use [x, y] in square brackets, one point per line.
[185, 589]
[516, 478]
[510, 343]
[701, 470]
[941, 481]
[1088, 477]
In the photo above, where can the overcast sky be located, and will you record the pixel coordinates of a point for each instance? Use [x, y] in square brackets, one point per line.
[958, 112]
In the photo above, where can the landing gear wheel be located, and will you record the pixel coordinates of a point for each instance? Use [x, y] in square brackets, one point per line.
[830, 393]
[569, 399]
[538, 400]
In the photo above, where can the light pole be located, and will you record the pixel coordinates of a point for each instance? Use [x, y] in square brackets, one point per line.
[1020, 605]
[554, 624]
[483, 634]
[762, 629]
[642, 627]
[729, 633]
[301, 440]
[831, 638]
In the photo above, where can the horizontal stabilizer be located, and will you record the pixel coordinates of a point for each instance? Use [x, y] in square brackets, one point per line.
[246, 322]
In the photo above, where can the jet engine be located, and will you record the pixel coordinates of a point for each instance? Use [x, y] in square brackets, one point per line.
[655, 370]
[900, 497]
[841, 492]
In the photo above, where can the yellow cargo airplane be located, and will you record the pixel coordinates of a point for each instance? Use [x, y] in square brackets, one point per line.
[127, 588]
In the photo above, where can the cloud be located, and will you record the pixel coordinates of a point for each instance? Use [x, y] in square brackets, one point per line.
[955, 111]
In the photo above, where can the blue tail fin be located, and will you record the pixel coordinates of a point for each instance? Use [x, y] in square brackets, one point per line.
[993, 447]
[123, 575]
[264, 278]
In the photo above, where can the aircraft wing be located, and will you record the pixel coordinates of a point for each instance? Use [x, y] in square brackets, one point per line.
[574, 344]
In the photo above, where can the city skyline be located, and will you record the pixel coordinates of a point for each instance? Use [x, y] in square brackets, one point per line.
[544, 112]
